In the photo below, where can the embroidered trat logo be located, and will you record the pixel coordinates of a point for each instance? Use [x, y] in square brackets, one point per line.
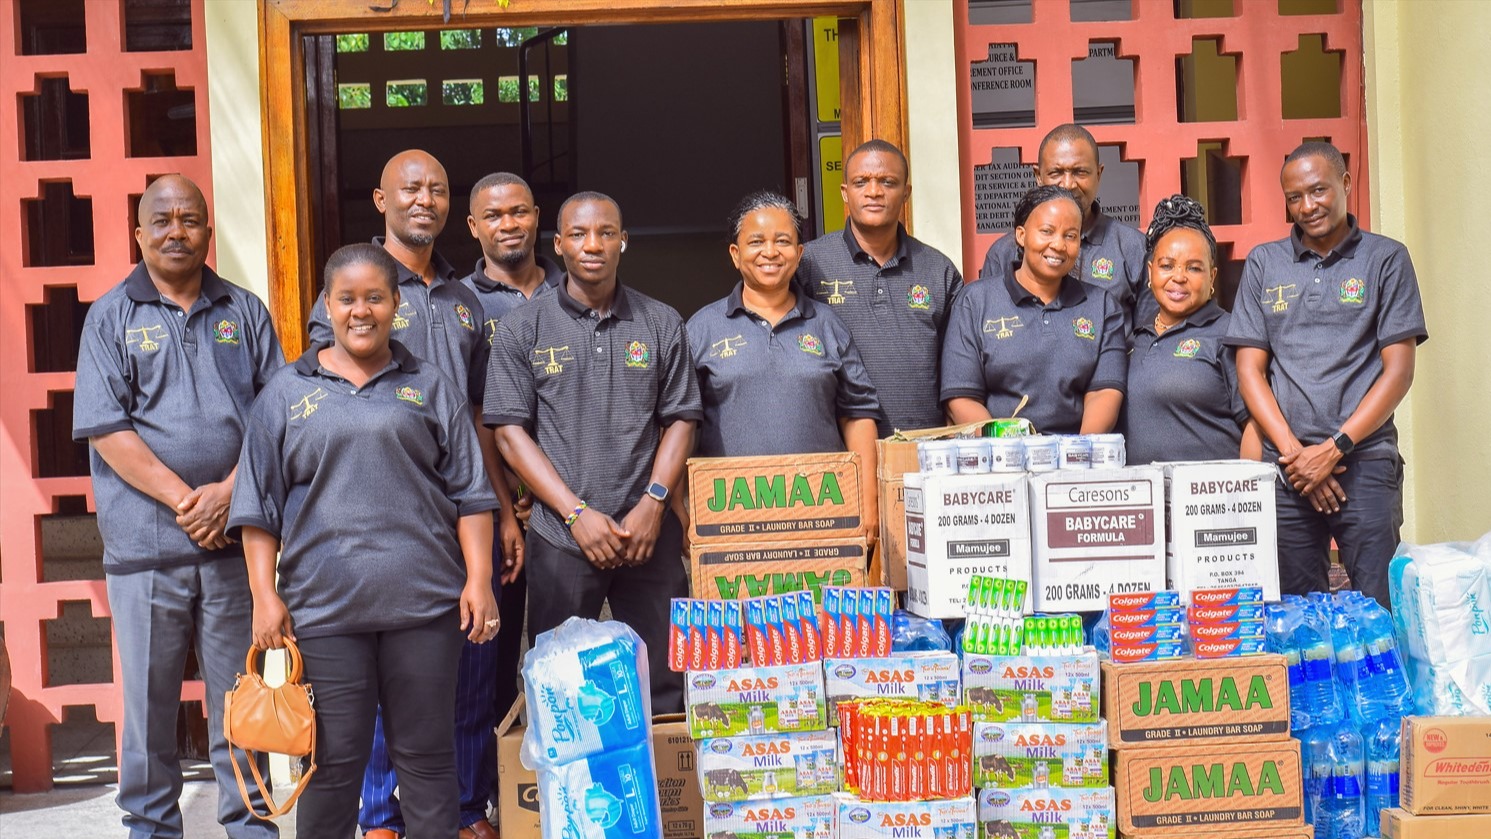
[834, 291]
[1003, 327]
[307, 404]
[1279, 296]
[146, 338]
[726, 347]
[402, 316]
[552, 359]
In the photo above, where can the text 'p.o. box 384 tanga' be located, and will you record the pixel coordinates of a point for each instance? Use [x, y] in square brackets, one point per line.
[1096, 533]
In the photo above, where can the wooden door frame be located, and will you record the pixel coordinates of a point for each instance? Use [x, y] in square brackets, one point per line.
[872, 91]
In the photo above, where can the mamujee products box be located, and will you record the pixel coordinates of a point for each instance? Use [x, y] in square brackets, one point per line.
[672, 754]
[958, 526]
[1223, 532]
[1095, 533]
[753, 568]
[782, 497]
[1184, 701]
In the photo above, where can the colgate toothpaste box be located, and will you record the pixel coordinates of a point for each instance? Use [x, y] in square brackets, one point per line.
[1231, 631]
[1239, 596]
[1129, 636]
[1143, 601]
[1228, 649]
[1147, 652]
[1223, 614]
[1150, 617]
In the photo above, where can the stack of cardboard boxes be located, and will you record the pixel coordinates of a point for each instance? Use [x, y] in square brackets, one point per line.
[1446, 780]
[1203, 749]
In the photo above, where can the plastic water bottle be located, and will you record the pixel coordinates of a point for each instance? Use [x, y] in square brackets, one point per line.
[1280, 622]
[910, 633]
[1388, 693]
[1382, 741]
[1351, 661]
[1313, 637]
[1340, 772]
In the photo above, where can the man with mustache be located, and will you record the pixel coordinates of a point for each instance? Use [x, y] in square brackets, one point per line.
[1113, 253]
[170, 362]
[440, 320]
[1326, 323]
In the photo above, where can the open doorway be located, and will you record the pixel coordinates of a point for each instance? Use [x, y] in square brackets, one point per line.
[675, 121]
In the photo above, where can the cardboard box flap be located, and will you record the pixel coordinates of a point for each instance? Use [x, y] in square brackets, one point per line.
[512, 717]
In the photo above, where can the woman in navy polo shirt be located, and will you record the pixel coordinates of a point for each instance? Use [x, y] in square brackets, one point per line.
[360, 469]
[1183, 402]
[777, 370]
[1037, 332]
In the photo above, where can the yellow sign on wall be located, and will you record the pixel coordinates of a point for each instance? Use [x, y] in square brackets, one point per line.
[830, 179]
[826, 68]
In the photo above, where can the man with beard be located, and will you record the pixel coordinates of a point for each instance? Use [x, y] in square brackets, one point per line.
[440, 320]
[504, 219]
[170, 362]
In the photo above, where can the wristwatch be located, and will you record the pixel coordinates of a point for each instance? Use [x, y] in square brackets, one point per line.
[1344, 445]
[657, 492]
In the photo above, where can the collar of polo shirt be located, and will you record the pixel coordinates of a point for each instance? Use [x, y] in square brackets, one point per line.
[737, 306]
[1345, 250]
[1098, 231]
[444, 271]
[856, 251]
[1208, 313]
[621, 304]
[140, 288]
[1073, 290]
[552, 275]
[310, 360]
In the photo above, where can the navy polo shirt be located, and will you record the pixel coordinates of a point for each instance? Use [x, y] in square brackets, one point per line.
[594, 392]
[440, 322]
[1004, 343]
[183, 381]
[1324, 320]
[1112, 258]
[1182, 402]
[897, 313]
[776, 389]
[498, 298]
[363, 486]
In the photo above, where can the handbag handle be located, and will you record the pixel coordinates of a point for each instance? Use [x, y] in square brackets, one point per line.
[297, 667]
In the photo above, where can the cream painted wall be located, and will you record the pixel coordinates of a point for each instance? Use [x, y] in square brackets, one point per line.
[237, 143]
[1427, 78]
[932, 111]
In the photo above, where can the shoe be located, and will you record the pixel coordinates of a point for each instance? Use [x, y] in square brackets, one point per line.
[479, 830]
[380, 833]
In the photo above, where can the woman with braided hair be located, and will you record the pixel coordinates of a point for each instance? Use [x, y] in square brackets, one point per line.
[1183, 402]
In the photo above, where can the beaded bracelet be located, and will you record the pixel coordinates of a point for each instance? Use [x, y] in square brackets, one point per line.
[575, 516]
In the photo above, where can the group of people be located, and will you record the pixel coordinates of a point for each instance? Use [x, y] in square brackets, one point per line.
[451, 449]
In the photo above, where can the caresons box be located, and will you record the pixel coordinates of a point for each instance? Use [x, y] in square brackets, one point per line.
[752, 568]
[958, 526]
[1174, 790]
[781, 497]
[755, 700]
[1190, 700]
[1096, 533]
[1223, 532]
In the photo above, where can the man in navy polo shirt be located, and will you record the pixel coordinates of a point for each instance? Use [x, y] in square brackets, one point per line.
[170, 363]
[1112, 256]
[892, 291]
[441, 321]
[1326, 324]
[595, 402]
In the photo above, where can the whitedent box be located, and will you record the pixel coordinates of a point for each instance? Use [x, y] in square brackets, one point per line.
[929, 676]
[1096, 533]
[958, 526]
[1223, 529]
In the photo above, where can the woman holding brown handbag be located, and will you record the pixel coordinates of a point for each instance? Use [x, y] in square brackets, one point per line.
[360, 468]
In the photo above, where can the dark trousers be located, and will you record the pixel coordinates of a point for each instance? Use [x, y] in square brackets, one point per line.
[512, 605]
[411, 673]
[562, 584]
[1366, 530]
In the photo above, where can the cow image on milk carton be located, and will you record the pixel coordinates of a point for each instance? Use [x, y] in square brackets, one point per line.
[802, 817]
[1025, 754]
[1096, 534]
[1032, 688]
[1048, 813]
[955, 818]
[612, 795]
[755, 700]
[768, 766]
[1223, 529]
[927, 676]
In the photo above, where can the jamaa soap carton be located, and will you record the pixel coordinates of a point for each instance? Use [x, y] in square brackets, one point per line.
[804, 817]
[1048, 813]
[756, 700]
[589, 735]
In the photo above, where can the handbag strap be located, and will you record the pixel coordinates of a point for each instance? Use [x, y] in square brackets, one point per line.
[274, 810]
[297, 666]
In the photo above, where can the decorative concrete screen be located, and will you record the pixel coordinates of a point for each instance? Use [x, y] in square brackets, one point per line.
[1204, 97]
[97, 99]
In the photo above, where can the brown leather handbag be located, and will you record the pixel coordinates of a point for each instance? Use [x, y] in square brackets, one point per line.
[259, 718]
